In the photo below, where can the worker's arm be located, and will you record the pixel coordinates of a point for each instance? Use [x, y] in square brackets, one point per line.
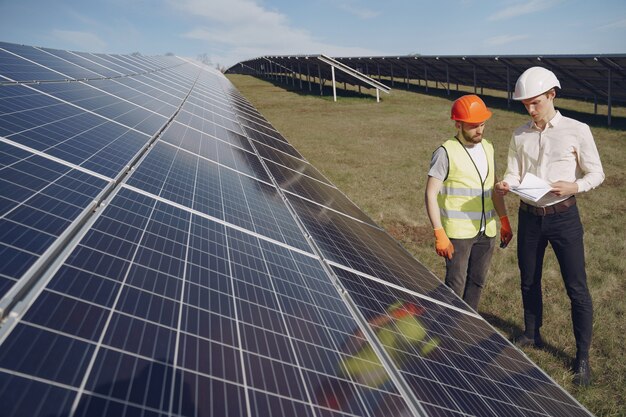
[506, 233]
[512, 176]
[443, 246]
[498, 201]
[433, 185]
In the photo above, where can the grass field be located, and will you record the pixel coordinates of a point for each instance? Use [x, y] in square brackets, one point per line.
[378, 154]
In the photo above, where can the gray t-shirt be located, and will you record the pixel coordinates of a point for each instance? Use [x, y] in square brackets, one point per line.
[439, 162]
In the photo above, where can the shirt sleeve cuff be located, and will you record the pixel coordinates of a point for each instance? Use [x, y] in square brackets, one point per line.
[582, 186]
[512, 181]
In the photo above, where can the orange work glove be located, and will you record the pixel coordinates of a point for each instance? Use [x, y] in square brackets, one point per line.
[506, 234]
[443, 246]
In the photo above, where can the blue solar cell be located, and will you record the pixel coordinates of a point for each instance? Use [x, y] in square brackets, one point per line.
[68, 315]
[208, 357]
[260, 127]
[42, 57]
[27, 397]
[272, 141]
[190, 398]
[15, 68]
[141, 94]
[24, 237]
[124, 377]
[94, 406]
[320, 193]
[197, 118]
[169, 83]
[209, 105]
[91, 287]
[31, 351]
[82, 62]
[134, 335]
[15, 262]
[107, 62]
[296, 165]
[106, 105]
[41, 199]
[23, 109]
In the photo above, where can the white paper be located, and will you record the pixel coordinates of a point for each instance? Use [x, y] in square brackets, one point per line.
[532, 188]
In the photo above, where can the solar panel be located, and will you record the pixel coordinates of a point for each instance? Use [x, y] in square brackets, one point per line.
[596, 78]
[166, 252]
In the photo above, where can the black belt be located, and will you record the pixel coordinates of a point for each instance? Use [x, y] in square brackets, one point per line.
[559, 207]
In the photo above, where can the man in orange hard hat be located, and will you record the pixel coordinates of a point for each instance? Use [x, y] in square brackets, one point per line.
[562, 152]
[461, 204]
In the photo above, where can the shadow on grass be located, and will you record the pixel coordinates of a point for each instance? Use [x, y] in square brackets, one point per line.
[314, 90]
[512, 330]
[501, 103]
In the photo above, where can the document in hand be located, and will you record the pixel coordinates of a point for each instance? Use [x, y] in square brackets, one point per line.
[532, 187]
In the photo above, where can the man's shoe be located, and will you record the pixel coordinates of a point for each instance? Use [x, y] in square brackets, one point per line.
[524, 341]
[582, 373]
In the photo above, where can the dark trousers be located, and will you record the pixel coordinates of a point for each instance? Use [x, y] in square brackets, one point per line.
[564, 232]
[467, 271]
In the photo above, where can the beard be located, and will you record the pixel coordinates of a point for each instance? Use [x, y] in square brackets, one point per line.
[474, 139]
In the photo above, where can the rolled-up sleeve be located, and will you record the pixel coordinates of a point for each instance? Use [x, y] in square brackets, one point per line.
[589, 162]
[513, 166]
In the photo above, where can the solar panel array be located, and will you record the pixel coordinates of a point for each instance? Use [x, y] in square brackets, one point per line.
[600, 79]
[166, 252]
[307, 68]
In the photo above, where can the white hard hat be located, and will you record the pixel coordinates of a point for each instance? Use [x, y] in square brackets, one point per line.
[533, 82]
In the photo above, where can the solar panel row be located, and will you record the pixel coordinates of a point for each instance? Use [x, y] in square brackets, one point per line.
[600, 78]
[166, 252]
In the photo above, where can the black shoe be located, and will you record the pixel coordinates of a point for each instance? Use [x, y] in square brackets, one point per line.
[524, 341]
[582, 372]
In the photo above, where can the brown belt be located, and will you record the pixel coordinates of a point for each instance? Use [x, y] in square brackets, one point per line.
[559, 207]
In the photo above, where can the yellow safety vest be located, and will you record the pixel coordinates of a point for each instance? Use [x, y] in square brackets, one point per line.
[464, 200]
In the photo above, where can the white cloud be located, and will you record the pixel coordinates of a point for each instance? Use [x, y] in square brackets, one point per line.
[83, 41]
[243, 29]
[279, 39]
[504, 40]
[229, 11]
[526, 7]
[353, 8]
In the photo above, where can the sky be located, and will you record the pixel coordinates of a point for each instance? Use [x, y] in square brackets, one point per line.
[230, 31]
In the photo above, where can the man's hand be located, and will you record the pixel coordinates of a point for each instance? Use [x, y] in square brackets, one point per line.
[563, 188]
[506, 234]
[502, 187]
[443, 246]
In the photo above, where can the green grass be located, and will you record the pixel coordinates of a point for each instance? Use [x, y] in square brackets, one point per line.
[378, 154]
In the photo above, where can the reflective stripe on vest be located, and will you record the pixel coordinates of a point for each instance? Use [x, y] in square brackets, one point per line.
[464, 202]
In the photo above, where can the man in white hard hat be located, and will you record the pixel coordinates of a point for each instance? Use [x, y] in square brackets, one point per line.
[562, 152]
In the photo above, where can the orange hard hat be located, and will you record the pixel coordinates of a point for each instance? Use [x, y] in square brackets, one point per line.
[469, 109]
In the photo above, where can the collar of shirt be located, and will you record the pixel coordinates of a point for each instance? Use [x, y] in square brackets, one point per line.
[551, 123]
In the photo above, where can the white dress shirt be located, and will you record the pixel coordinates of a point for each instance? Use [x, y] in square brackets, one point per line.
[563, 151]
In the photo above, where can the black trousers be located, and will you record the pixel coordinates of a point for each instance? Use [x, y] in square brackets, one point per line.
[564, 232]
